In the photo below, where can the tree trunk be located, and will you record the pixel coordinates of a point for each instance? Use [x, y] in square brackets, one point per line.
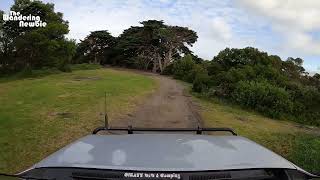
[160, 63]
[30, 61]
[95, 58]
[168, 57]
[155, 66]
[147, 65]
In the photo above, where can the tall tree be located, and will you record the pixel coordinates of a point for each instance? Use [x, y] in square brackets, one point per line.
[293, 67]
[174, 39]
[5, 48]
[151, 49]
[140, 46]
[36, 47]
[155, 44]
[96, 47]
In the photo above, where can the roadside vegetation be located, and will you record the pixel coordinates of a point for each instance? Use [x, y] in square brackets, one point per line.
[43, 108]
[39, 115]
[256, 94]
[297, 143]
[27, 49]
[277, 88]
[257, 81]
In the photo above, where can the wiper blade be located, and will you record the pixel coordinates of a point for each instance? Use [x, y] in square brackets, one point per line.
[24, 177]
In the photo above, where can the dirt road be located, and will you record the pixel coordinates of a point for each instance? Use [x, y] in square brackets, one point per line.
[169, 106]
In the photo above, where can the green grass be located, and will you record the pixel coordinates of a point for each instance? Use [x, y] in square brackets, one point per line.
[36, 73]
[40, 115]
[301, 145]
[85, 66]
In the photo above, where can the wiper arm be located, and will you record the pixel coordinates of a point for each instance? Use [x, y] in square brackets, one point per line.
[24, 177]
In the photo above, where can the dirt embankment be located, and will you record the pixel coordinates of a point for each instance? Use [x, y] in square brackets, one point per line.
[168, 107]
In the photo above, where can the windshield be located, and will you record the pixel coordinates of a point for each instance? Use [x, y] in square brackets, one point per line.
[94, 174]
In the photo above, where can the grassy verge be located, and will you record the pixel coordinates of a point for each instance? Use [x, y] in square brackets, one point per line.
[45, 72]
[40, 115]
[301, 145]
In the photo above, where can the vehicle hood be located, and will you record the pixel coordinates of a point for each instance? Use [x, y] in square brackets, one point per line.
[165, 152]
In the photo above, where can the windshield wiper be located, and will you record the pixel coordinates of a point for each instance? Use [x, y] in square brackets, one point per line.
[24, 177]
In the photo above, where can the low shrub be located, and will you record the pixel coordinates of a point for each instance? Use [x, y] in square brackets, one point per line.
[29, 73]
[85, 66]
[169, 70]
[183, 69]
[201, 79]
[263, 97]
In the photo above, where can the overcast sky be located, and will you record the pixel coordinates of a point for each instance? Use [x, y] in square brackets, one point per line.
[282, 27]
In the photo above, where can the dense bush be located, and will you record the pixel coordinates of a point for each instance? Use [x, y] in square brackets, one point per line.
[276, 88]
[26, 49]
[183, 69]
[168, 70]
[201, 81]
[248, 77]
[307, 104]
[263, 97]
[188, 70]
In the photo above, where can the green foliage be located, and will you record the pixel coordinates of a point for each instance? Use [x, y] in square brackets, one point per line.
[201, 80]
[188, 70]
[229, 58]
[168, 70]
[35, 48]
[152, 46]
[246, 76]
[85, 66]
[263, 97]
[96, 48]
[256, 80]
[183, 69]
[307, 104]
[28, 73]
[276, 88]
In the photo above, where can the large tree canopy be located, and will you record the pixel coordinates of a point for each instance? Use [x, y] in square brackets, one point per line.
[96, 47]
[36, 47]
[150, 46]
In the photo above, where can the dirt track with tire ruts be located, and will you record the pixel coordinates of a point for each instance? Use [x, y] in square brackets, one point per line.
[169, 106]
